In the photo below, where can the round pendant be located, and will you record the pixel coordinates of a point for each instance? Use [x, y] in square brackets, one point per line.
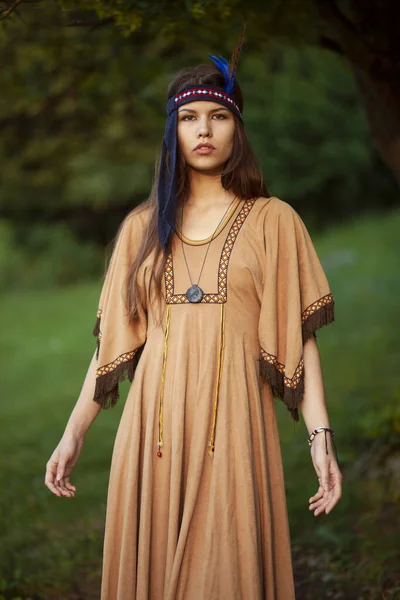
[194, 293]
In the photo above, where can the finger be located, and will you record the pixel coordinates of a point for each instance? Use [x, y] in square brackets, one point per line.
[321, 504]
[325, 478]
[63, 486]
[65, 492]
[68, 483]
[336, 491]
[61, 470]
[62, 480]
[60, 485]
[318, 504]
[70, 488]
[325, 503]
[54, 489]
[321, 508]
[49, 477]
[319, 498]
[50, 485]
[318, 495]
[336, 495]
[51, 470]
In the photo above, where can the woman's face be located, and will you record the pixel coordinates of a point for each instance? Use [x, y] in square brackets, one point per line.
[205, 134]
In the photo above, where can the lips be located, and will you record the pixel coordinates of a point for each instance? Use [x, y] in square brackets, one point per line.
[201, 146]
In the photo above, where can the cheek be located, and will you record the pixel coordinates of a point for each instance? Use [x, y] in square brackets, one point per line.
[227, 136]
[183, 140]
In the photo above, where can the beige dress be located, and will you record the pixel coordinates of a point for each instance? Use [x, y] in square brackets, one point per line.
[197, 524]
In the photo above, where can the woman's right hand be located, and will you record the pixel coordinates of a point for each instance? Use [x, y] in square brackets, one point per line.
[60, 465]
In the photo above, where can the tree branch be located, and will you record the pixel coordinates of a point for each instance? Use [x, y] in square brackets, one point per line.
[347, 35]
[328, 44]
[6, 12]
[91, 24]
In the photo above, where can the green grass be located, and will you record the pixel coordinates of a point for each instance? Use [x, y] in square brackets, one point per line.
[46, 346]
[51, 547]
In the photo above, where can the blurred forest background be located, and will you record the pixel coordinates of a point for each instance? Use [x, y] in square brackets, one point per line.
[82, 114]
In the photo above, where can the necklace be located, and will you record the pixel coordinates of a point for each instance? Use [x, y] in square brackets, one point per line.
[194, 293]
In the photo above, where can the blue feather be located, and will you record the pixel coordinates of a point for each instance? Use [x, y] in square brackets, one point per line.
[223, 66]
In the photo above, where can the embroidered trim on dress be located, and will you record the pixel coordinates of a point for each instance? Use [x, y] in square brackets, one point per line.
[107, 382]
[123, 358]
[221, 296]
[291, 390]
[108, 377]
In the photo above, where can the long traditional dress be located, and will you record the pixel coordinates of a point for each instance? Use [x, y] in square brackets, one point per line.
[207, 520]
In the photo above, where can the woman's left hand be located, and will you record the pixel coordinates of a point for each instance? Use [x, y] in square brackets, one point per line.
[329, 476]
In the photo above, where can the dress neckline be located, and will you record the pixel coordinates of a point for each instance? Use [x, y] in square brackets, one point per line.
[216, 232]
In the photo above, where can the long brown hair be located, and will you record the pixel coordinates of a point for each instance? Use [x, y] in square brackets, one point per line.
[241, 175]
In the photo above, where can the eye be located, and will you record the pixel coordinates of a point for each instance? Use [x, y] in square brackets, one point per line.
[220, 116]
[185, 118]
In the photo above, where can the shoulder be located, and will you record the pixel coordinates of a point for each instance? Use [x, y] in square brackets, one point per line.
[274, 207]
[135, 222]
[277, 225]
[272, 215]
[132, 227]
[139, 215]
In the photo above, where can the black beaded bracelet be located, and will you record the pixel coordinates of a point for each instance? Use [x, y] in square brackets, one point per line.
[315, 431]
[325, 429]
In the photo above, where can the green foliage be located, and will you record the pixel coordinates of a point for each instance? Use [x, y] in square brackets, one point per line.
[49, 256]
[306, 123]
[83, 108]
[383, 422]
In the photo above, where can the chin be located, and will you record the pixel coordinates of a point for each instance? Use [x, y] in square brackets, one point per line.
[206, 165]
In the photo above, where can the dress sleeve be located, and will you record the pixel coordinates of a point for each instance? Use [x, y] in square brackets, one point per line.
[119, 341]
[296, 301]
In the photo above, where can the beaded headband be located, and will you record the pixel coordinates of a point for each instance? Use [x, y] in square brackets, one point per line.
[191, 93]
[167, 185]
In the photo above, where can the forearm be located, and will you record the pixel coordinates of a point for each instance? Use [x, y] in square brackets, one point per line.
[313, 407]
[85, 410]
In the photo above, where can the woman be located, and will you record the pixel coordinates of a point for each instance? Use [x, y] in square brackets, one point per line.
[210, 305]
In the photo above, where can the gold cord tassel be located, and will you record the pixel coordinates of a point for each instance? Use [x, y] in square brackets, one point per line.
[211, 443]
[160, 414]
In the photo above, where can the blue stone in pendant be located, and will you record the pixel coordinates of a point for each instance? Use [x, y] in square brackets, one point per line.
[194, 293]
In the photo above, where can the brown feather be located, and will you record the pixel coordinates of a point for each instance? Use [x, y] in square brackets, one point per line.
[236, 52]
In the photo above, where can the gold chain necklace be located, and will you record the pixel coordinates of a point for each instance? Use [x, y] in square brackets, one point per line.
[194, 293]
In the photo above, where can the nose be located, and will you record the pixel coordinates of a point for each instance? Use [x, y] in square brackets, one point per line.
[203, 128]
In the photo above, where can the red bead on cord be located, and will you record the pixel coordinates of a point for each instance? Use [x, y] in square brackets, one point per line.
[159, 453]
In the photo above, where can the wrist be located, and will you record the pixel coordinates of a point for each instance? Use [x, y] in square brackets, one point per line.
[74, 432]
[319, 426]
[320, 432]
[320, 429]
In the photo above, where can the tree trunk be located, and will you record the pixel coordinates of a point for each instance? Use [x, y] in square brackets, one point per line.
[381, 100]
[365, 32]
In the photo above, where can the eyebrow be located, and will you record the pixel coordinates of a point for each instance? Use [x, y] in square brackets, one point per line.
[211, 111]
